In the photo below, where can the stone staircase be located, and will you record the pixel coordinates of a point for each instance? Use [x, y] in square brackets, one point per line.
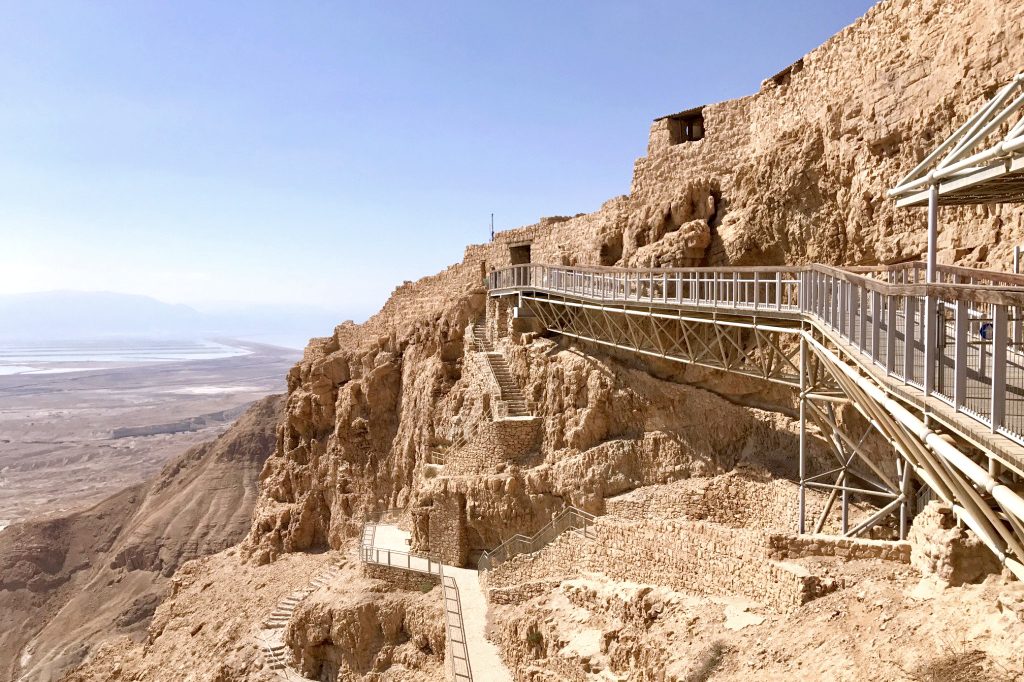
[272, 636]
[512, 398]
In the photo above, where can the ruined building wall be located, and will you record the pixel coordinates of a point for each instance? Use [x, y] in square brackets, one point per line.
[691, 556]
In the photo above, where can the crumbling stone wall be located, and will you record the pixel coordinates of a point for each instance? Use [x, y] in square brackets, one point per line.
[782, 546]
[943, 548]
[400, 578]
[740, 499]
[694, 556]
[496, 443]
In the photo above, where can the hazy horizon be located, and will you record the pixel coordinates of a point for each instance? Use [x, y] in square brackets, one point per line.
[76, 316]
[324, 154]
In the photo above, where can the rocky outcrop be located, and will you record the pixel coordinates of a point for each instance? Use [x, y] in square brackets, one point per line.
[68, 583]
[346, 635]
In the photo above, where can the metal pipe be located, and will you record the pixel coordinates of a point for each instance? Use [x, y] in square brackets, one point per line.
[981, 129]
[1007, 499]
[938, 471]
[944, 171]
[874, 518]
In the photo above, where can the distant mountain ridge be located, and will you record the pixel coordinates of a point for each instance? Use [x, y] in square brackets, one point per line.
[81, 315]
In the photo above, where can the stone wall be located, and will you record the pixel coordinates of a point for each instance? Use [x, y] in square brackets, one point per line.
[943, 548]
[694, 556]
[781, 547]
[400, 578]
[447, 529]
[741, 499]
[504, 441]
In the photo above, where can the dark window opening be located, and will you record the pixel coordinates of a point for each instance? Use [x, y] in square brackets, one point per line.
[786, 75]
[520, 255]
[611, 250]
[686, 128]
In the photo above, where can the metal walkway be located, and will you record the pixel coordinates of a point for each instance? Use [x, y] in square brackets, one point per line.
[937, 370]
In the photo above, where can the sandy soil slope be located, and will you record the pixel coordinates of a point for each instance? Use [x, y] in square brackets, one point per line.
[67, 583]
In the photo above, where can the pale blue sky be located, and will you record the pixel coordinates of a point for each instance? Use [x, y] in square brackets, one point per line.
[321, 152]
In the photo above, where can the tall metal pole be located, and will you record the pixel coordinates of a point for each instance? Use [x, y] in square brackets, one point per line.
[803, 433]
[933, 230]
[930, 311]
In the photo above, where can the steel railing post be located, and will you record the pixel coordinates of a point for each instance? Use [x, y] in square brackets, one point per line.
[863, 295]
[909, 336]
[831, 300]
[890, 334]
[960, 355]
[876, 323]
[930, 342]
[803, 436]
[999, 349]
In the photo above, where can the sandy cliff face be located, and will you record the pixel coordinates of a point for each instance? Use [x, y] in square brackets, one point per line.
[67, 583]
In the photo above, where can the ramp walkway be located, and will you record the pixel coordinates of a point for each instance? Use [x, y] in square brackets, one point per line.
[937, 370]
[471, 655]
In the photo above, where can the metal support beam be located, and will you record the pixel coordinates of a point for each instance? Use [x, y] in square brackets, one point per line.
[803, 437]
[933, 230]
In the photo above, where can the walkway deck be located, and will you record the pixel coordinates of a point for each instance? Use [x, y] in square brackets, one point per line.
[487, 666]
[483, 655]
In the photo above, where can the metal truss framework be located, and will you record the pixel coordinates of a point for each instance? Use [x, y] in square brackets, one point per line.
[982, 162]
[818, 335]
[769, 351]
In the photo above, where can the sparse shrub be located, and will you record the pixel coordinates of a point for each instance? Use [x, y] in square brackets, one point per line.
[426, 586]
[430, 471]
[534, 638]
[708, 661]
[954, 662]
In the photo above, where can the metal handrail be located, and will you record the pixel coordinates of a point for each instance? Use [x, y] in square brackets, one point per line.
[448, 583]
[602, 283]
[500, 404]
[369, 554]
[438, 455]
[395, 558]
[569, 518]
[960, 340]
[956, 342]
